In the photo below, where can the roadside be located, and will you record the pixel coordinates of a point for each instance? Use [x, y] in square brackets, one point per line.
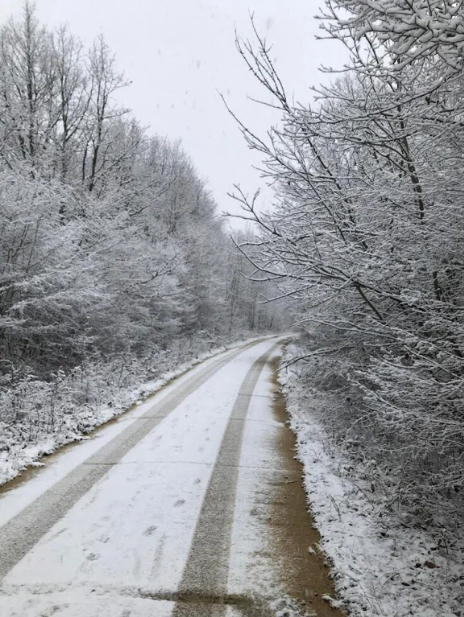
[381, 566]
[305, 570]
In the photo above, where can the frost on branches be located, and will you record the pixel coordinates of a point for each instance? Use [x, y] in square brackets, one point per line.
[367, 241]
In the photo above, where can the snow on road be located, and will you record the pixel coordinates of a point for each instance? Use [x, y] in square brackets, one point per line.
[124, 524]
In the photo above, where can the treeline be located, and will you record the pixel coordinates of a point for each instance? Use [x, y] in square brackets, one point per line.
[111, 249]
[368, 239]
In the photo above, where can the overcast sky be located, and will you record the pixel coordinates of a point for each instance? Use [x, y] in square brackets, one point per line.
[179, 53]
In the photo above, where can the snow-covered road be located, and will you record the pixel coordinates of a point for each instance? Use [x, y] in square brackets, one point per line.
[164, 512]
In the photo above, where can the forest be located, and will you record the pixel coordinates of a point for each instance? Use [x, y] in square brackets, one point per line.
[115, 264]
[119, 273]
[112, 249]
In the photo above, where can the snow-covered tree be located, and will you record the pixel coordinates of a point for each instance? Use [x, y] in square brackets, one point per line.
[366, 237]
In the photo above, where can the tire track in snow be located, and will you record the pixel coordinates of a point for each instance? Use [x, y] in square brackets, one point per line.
[202, 591]
[19, 535]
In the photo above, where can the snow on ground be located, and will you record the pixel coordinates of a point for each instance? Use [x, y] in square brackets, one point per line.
[95, 604]
[381, 567]
[128, 538]
[68, 459]
[14, 460]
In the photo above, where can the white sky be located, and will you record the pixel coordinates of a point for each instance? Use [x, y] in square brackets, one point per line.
[179, 53]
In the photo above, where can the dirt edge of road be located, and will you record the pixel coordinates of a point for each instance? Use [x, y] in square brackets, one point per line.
[305, 570]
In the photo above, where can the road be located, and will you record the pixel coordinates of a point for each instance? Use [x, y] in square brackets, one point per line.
[188, 505]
